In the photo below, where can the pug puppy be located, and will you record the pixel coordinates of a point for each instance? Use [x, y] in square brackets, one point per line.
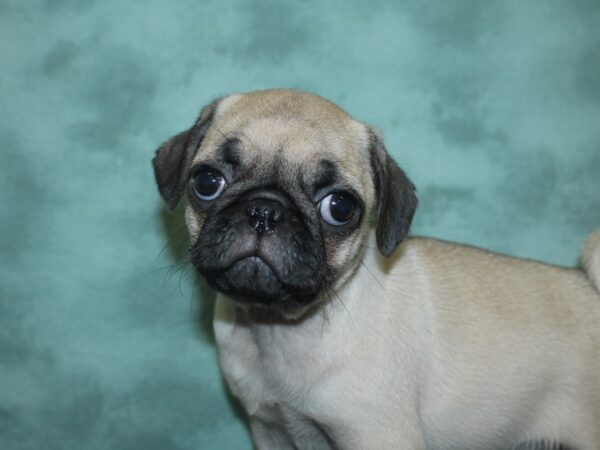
[335, 330]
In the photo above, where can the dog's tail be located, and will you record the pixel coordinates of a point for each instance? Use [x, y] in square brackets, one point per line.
[590, 256]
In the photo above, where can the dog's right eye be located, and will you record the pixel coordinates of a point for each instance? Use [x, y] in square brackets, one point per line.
[207, 183]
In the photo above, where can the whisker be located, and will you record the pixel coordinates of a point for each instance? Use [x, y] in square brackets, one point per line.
[370, 248]
[194, 295]
[341, 301]
[154, 216]
[235, 134]
[168, 266]
[372, 274]
[325, 311]
[176, 266]
[171, 242]
[182, 276]
[219, 131]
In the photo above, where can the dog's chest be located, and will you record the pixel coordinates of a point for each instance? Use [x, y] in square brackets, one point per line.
[268, 371]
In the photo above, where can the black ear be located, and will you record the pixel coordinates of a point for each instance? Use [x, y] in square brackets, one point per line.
[396, 198]
[174, 157]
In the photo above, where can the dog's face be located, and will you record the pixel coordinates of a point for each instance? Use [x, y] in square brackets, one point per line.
[283, 188]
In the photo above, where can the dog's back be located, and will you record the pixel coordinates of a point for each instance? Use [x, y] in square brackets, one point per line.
[515, 344]
[590, 257]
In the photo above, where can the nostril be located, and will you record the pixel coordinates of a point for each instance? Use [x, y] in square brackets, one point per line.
[274, 215]
[263, 215]
[254, 212]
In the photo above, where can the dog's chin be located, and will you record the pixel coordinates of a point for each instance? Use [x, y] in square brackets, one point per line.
[252, 282]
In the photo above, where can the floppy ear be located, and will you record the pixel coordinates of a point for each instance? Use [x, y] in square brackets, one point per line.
[395, 194]
[174, 157]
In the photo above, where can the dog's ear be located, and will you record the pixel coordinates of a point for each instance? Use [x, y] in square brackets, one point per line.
[395, 194]
[174, 157]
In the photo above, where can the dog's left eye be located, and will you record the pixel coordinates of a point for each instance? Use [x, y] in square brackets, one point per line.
[208, 183]
[337, 208]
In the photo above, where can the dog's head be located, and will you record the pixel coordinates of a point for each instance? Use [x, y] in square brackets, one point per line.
[282, 190]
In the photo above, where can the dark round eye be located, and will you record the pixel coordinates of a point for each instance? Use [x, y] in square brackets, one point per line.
[208, 183]
[337, 208]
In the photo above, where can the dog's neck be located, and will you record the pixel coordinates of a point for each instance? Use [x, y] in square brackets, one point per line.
[333, 310]
[328, 335]
[328, 301]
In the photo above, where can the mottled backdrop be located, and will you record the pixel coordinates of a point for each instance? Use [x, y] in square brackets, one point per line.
[493, 108]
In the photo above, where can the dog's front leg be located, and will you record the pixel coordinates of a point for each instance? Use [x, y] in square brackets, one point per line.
[269, 436]
[396, 440]
[371, 435]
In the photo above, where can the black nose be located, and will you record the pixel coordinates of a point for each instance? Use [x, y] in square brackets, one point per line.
[264, 215]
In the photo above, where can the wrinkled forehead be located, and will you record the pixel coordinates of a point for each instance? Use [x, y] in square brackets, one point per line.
[306, 134]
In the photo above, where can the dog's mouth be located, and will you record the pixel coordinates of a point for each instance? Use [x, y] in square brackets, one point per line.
[252, 277]
[283, 267]
[253, 280]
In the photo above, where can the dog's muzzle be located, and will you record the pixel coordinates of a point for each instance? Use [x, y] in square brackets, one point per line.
[260, 250]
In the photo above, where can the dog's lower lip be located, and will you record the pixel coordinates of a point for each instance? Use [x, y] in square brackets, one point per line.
[253, 258]
[254, 275]
[258, 260]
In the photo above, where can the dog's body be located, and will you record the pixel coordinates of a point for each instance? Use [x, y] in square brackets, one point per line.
[332, 335]
[443, 347]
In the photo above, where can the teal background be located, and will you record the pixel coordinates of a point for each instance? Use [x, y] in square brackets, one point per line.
[493, 108]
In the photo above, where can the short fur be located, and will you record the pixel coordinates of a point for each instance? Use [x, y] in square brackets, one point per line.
[395, 342]
[591, 257]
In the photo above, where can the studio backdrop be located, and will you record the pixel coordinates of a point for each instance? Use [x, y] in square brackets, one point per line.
[491, 107]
